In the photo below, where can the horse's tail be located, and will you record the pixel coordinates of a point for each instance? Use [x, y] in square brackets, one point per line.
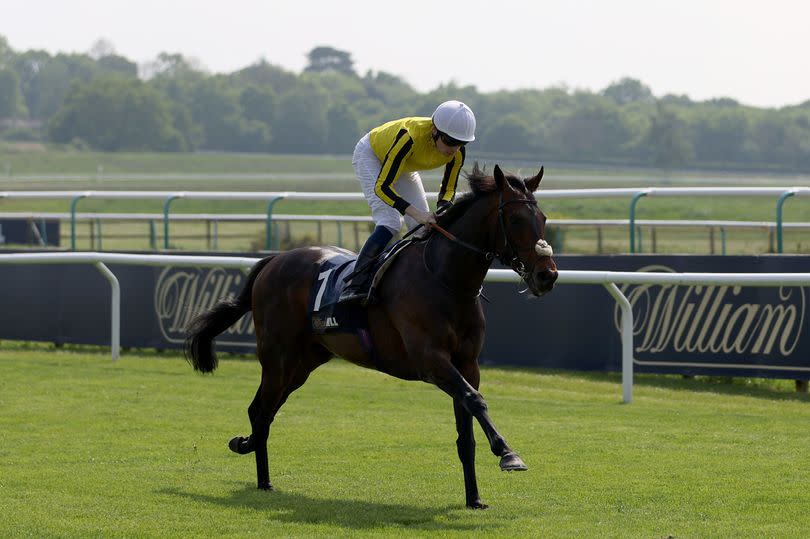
[200, 334]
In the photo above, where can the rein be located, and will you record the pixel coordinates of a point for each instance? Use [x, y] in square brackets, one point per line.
[514, 262]
[489, 255]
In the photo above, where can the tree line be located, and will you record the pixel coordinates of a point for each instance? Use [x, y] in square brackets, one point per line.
[101, 100]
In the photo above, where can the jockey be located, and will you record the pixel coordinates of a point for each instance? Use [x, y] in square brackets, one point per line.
[391, 155]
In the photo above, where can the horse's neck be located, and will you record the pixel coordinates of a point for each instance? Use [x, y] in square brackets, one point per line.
[459, 264]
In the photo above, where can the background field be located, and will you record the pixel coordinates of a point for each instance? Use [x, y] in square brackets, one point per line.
[250, 172]
[93, 448]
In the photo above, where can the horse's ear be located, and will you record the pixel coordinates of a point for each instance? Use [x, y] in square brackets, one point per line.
[533, 183]
[499, 179]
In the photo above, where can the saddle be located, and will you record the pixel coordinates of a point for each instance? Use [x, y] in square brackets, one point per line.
[325, 313]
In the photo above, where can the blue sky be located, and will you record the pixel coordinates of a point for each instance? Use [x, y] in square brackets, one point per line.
[753, 52]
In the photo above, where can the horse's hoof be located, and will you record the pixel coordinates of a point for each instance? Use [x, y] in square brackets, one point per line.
[240, 445]
[511, 462]
[477, 504]
[265, 486]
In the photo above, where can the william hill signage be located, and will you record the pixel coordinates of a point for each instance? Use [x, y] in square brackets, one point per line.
[723, 330]
[730, 321]
[182, 293]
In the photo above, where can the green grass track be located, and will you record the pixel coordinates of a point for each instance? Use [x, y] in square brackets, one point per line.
[138, 448]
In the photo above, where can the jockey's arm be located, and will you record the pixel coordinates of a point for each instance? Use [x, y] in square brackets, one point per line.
[420, 216]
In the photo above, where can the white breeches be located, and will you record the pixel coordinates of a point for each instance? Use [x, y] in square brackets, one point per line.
[409, 186]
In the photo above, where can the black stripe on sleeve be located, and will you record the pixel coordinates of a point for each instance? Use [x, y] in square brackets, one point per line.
[448, 170]
[399, 203]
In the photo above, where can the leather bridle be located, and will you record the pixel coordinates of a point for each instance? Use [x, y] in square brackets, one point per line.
[513, 261]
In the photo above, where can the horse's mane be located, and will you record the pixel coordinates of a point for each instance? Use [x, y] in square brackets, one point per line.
[480, 184]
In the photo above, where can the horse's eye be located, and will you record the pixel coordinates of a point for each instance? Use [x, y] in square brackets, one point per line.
[515, 219]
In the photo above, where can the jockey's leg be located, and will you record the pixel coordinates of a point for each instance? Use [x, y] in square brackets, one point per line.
[409, 187]
[387, 220]
[357, 289]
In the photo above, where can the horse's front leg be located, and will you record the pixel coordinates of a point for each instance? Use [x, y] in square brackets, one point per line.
[466, 454]
[453, 383]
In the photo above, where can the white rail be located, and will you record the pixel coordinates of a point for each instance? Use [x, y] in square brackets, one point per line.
[239, 217]
[215, 218]
[189, 195]
[302, 195]
[609, 279]
[271, 197]
[249, 217]
[120, 177]
[672, 192]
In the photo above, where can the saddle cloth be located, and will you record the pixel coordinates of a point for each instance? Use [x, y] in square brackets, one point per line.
[326, 314]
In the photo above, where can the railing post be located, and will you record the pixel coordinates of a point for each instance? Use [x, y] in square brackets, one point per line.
[627, 341]
[268, 241]
[599, 240]
[115, 309]
[779, 203]
[215, 241]
[73, 204]
[98, 240]
[152, 235]
[632, 224]
[33, 231]
[723, 239]
[166, 205]
[43, 232]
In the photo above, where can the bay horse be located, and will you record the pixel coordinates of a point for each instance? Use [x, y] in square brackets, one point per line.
[427, 323]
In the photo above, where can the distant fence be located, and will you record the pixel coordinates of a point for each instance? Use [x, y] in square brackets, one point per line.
[36, 220]
[768, 323]
[37, 235]
[781, 194]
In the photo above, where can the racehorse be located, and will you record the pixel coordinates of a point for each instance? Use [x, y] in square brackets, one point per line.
[426, 323]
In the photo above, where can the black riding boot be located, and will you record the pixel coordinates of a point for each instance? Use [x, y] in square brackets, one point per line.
[357, 289]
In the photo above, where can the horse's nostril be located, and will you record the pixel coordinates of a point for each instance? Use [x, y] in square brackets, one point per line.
[548, 275]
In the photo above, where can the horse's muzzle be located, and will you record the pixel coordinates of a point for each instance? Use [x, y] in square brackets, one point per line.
[543, 281]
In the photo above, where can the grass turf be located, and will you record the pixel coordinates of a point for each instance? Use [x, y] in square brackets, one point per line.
[93, 448]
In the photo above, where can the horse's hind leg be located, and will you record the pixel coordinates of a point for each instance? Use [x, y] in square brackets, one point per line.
[271, 395]
[261, 413]
[243, 444]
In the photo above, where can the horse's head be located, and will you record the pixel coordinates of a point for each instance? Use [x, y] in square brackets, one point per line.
[524, 226]
[518, 226]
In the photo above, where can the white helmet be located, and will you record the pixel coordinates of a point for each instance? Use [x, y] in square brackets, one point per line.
[455, 119]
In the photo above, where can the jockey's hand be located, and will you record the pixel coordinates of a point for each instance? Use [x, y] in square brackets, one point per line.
[442, 206]
[424, 217]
